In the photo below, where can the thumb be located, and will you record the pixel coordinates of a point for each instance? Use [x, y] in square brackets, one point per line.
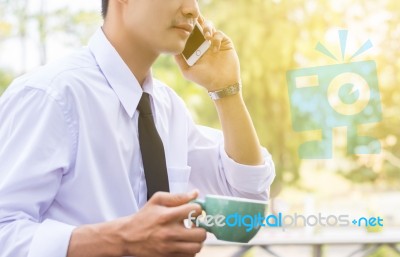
[172, 200]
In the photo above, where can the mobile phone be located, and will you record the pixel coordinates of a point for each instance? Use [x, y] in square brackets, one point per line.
[196, 46]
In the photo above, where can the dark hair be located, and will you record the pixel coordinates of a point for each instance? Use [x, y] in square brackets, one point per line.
[104, 7]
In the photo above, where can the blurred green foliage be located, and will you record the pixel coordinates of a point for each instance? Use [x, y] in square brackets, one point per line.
[5, 79]
[384, 251]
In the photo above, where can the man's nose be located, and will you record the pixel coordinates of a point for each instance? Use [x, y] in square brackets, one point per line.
[190, 8]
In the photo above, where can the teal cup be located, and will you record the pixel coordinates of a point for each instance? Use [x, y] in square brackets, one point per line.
[231, 219]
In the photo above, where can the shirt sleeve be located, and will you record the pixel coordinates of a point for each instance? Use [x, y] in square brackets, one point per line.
[35, 153]
[214, 172]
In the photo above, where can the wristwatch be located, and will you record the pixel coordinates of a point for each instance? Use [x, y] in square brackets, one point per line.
[228, 91]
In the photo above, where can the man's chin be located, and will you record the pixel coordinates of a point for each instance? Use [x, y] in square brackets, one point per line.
[174, 51]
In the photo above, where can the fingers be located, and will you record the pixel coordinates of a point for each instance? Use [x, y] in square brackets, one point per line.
[194, 234]
[207, 26]
[185, 248]
[216, 41]
[161, 219]
[175, 240]
[179, 213]
[180, 255]
[201, 20]
[208, 30]
[186, 241]
[210, 33]
[179, 208]
[172, 200]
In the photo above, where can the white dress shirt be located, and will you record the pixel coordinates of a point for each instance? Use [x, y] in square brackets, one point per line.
[69, 151]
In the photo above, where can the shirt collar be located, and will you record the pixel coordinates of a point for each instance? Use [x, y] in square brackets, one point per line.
[117, 73]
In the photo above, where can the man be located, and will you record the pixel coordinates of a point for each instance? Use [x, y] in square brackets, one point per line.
[73, 172]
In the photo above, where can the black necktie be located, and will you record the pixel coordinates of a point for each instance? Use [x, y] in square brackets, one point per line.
[152, 149]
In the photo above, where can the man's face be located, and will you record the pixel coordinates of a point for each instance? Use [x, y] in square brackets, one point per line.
[161, 25]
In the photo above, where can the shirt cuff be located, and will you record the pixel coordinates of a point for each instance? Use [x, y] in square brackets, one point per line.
[246, 178]
[51, 239]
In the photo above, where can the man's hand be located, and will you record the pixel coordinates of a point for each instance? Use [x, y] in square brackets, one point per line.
[156, 230]
[219, 67]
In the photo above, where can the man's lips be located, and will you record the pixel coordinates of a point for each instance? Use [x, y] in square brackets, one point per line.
[185, 26]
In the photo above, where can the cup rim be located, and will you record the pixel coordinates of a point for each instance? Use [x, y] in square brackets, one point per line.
[237, 199]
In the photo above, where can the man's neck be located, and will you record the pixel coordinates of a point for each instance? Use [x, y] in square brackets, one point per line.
[134, 53]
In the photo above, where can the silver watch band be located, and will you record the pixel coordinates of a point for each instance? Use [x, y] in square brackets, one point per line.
[230, 90]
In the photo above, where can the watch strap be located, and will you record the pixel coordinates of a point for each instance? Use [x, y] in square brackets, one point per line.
[228, 91]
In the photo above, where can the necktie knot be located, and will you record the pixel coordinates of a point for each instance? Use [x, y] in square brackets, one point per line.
[144, 104]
